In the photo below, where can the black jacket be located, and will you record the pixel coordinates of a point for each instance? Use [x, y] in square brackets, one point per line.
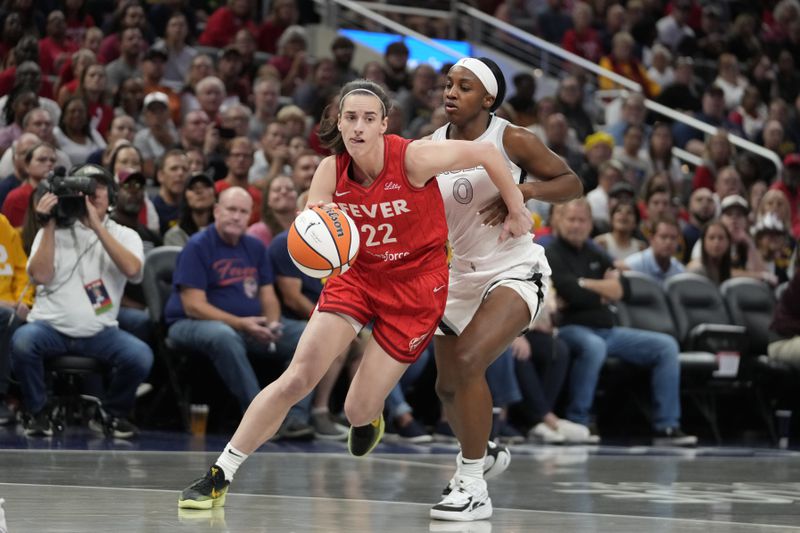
[583, 307]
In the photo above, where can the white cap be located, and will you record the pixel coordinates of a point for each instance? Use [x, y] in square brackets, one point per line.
[156, 97]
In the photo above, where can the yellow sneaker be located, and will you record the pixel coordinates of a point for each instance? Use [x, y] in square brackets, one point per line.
[207, 492]
[363, 439]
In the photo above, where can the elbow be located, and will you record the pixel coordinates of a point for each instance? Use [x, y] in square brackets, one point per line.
[576, 187]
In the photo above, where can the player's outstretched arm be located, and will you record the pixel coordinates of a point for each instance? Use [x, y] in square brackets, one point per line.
[425, 159]
[323, 184]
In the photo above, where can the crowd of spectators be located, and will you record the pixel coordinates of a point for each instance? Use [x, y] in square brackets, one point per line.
[206, 120]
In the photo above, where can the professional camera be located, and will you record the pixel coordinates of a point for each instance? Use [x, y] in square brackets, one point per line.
[70, 191]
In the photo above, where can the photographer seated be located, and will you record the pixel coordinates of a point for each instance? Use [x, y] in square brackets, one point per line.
[39, 161]
[223, 304]
[80, 261]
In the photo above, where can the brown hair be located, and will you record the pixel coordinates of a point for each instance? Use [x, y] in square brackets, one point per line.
[329, 133]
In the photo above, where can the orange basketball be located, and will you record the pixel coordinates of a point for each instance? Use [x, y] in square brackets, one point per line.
[323, 241]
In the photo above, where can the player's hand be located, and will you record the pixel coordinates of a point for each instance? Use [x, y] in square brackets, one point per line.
[494, 213]
[521, 349]
[517, 224]
[320, 204]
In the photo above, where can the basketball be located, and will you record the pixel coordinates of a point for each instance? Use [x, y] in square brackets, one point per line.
[323, 242]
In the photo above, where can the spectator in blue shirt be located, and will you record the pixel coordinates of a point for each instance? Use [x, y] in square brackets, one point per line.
[223, 303]
[658, 260]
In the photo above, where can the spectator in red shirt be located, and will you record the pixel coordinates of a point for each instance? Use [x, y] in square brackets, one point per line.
[68, 81]
[223, 24]
[282, 15]
[582, 39]
[39, 161]
[55, 48]
[131, 16]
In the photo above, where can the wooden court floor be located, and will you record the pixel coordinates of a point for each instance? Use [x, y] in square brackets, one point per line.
[547, 489]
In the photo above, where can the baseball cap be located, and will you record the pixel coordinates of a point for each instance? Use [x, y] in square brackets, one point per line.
[621, 187]
[791, 160]
[127, 175]
[155, 53]
[729, 202]
[156, 98]
[597, 138]
[200, 176]
[769, 222]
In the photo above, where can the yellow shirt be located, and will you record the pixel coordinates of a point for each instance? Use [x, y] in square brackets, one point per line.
[13, 276]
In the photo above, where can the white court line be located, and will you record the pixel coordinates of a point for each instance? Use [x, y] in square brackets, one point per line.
[373, 458]
[426, 505]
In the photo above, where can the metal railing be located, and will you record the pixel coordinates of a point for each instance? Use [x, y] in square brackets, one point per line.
[477, 16]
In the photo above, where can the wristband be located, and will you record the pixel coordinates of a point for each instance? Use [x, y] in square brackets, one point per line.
[43, 218]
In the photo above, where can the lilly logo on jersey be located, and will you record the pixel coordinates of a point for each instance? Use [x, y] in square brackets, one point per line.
[391, 186]
[414, 343]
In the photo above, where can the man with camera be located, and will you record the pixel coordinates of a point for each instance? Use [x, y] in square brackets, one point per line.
[80, 261]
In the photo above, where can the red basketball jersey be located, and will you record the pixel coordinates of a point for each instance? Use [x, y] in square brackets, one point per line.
[402, 228]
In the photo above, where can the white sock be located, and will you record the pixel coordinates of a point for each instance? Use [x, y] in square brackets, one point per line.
[471, 468]
[230, 460]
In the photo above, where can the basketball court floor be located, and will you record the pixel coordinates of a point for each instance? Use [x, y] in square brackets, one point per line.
[80, 483]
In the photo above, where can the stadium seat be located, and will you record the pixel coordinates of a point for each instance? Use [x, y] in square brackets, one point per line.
[159, 265]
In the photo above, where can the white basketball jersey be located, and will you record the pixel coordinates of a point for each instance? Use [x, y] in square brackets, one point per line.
[467, 191]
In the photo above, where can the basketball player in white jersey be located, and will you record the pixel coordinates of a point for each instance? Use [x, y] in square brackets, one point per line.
[496, 288]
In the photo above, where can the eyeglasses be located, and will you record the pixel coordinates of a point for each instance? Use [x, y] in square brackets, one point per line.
[132, 185]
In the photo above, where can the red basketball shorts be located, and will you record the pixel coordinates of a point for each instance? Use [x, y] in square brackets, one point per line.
[406, 309]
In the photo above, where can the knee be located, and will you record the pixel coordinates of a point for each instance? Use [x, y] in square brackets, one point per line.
[593, 351]
[666, 346]
[22, 344]
[294, 384]
[445, 389]
[360, 412]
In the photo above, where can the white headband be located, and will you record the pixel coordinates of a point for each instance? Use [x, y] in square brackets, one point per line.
[341, 102]
[481, 71]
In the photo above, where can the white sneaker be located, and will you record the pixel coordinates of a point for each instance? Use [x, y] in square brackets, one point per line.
[576, 433]
[543, 433]
[468, 501]
[495, 463]
[3, 525]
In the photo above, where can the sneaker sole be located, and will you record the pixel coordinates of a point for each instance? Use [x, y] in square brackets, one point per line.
[203, 505]
[325, 436]
[481, 513]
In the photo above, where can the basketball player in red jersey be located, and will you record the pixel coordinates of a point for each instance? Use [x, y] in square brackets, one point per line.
[399, 282]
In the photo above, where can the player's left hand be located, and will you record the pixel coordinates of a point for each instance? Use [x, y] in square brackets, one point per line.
[517, 224]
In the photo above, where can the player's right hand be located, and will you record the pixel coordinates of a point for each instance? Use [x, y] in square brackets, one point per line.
[517, 224]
